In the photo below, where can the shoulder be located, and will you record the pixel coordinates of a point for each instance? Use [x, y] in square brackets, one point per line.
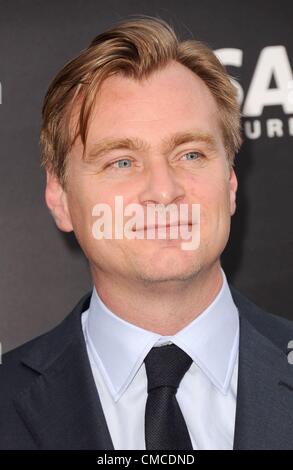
[38, 352]
[277, 329]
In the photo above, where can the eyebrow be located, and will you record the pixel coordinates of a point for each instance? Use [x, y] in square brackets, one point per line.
[137, 144]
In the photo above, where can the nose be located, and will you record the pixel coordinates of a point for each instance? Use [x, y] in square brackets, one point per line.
[161, 185]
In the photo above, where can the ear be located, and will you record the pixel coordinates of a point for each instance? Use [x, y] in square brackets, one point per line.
[56, 199]
[233, 185]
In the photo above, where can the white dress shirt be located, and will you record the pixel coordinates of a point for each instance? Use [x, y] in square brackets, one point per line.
[207, 392]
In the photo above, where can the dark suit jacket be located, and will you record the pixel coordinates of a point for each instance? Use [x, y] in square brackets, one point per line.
[48, 398]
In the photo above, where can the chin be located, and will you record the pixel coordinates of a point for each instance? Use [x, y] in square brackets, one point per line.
[168, 271]
[166, 277]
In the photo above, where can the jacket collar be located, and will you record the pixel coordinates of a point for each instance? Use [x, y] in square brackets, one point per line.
[264, 418]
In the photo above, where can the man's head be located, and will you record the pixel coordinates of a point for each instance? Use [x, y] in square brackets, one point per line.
[159, 101]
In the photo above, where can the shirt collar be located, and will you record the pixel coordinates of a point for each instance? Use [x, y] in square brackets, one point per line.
[119, 347]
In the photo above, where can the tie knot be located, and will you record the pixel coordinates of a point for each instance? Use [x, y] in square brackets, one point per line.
[166, 366]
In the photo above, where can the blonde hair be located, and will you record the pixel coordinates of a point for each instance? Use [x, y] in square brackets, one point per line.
[134, 48]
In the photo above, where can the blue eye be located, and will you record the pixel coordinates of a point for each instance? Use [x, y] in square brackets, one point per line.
[196, 155]
[121, 163]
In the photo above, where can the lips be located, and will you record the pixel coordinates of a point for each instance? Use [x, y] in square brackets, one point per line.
[156, 227]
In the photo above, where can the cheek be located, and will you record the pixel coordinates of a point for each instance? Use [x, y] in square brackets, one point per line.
[213, 197]
[81, 201]
[210, 192]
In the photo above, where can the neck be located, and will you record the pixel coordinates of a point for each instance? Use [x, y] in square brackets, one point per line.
[163, 308]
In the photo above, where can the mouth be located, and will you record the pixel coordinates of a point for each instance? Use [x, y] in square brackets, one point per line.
[159, 227]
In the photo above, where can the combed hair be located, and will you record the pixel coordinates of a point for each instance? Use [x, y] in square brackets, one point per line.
[134, 48]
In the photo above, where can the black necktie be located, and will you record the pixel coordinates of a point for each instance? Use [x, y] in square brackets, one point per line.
[165, 428]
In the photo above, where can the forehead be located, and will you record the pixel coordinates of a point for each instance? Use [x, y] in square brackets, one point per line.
[171, 101]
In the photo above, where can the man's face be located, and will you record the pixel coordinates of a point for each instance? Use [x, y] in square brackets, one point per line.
[171, 101]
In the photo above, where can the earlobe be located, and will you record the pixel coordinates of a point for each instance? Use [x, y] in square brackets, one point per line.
[233, 191]
[56, 200]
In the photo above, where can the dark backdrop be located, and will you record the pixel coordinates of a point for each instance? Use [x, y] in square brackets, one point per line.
[43, 273]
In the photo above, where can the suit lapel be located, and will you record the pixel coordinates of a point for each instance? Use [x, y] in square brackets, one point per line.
[264, 418]
[61, 409]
